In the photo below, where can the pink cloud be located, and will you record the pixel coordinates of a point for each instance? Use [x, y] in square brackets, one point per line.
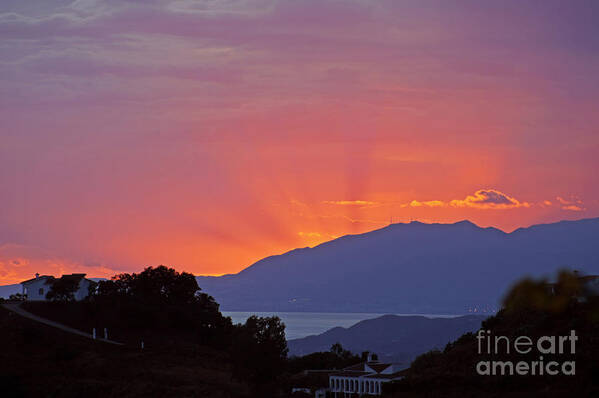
[574, 204]
[489, 199]
[481, 199]
[19, 262]
[162, 131]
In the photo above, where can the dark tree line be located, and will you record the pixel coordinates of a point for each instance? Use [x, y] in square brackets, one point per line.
[531, 308]
[63, 289]
[259, 352]
[336, 358]
[160, 285]
[160, 303]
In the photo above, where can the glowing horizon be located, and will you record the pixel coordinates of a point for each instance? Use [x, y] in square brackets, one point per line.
[209, 135]
[103, 272]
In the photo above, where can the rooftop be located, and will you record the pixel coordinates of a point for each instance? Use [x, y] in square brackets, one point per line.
[373, 371]
[50, 278]
[37, 278]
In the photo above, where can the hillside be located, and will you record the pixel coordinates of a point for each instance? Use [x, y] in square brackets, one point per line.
[408, 268]
[398, 339]
[189, 348]
[40, 361]
[530, 312]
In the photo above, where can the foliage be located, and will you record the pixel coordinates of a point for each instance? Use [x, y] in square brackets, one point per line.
[158, 301]
[259, 352]
[63, 289]
[336, 358]
[41, 361]
[532, 295]
[167, 310]
[532, 308]
[426, 360]
[346, 355]
[17, 297]
[92, 288]
[156, 285]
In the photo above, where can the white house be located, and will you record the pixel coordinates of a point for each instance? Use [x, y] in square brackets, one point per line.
[36, 289]
[366, 378]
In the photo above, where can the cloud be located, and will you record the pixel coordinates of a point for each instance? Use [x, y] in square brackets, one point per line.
[350, 202]
[572, 208]
[429, 203]
[481, 199]
[211, 109]
[310, 234]
[20, 262]
[574, 204]
[494, 199]
[562, 200]
[489, 199]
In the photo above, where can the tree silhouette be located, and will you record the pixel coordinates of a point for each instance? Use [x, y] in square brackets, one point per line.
[63, 289]
[156, 285]
[160, 299]
[259, 352]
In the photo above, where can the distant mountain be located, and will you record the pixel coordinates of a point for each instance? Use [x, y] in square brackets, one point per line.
[408, 268]
[7, 290]
[394, 338]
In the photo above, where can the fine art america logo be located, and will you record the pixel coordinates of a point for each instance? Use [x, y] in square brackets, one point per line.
[523, 345]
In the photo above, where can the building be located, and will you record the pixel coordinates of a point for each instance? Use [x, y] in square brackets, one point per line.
[366, 378]
[36, 289]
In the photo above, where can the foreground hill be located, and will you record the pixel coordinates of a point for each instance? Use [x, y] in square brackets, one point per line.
[41, 361]
[175, 343]
[472, 367]
[408, 268]
[394, 338]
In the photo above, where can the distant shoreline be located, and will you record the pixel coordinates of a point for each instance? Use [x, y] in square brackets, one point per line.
[303, 324]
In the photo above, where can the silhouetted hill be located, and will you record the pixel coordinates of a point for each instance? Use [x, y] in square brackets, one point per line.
[471, 366]
[7, 290]
[393, 338]
[408, 268]
[175, 342]
[41, 361]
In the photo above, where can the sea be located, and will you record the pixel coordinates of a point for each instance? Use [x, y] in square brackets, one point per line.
[302, 324]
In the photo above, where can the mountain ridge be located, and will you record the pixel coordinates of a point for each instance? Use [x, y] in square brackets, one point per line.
[395, 338]
[294, 277]
[400, 268]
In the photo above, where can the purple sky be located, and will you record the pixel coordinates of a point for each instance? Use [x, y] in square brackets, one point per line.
[209, 134]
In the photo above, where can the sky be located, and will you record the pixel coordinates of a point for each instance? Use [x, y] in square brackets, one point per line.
[208, 134]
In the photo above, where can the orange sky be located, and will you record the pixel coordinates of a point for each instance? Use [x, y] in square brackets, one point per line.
[207, 138]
